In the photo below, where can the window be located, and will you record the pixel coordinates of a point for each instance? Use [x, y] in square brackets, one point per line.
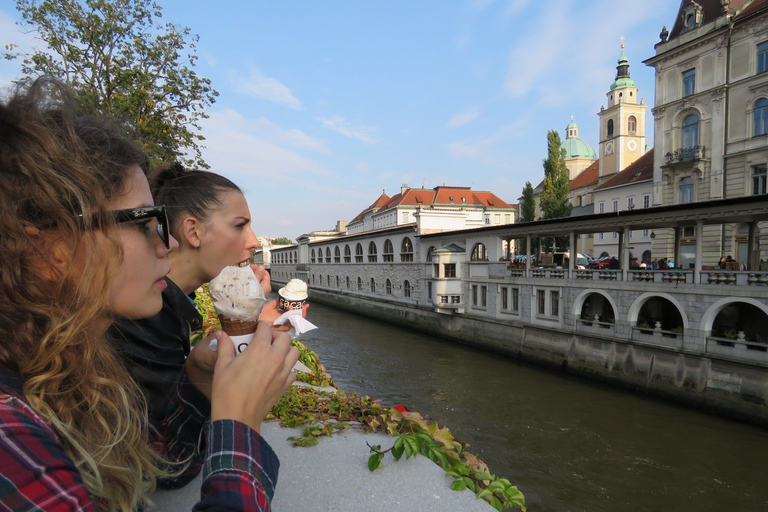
[443, 299]
[554, 299]
[338, 283]
[372, 256]
[359, 255]
[762, 57]
[474, 295]
[407, 289]
[504, 298]
[455, 299]
[359, 283]
[373, 285]
[615, 205]
[483, 296]
[630, 203]
[328, 254]
[337, 255]
[686, 190]
[479, 253]
[689, 82]
[515, 299]
[429, 290]
[758, 179]
[690, 133]
[405, 217]
[406, 250]
[632, 125]
[347, 282]
[601, 207]
[760, 117]
[388, 254]
[609, 129]
[347, 255]
[436, 270]
[389, 287]
[646, 200]
[312, 256]
[319, 255]
[541, 302]
[449, 270]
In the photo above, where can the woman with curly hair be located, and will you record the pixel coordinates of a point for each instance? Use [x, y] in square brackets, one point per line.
[82, 244]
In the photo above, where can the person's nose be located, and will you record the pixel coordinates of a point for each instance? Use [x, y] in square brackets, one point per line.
[252, 242]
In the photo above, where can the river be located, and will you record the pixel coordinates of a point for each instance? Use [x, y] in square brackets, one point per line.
[568, 443]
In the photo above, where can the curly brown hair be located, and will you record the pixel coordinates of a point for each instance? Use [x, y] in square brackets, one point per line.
[57, 175]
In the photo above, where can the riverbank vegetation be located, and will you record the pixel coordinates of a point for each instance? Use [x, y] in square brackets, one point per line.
[321, 413]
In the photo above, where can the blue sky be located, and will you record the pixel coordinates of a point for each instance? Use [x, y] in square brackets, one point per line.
[325, 104]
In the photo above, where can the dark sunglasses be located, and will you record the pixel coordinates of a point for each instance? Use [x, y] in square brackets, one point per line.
[157, 212]
[148, 212]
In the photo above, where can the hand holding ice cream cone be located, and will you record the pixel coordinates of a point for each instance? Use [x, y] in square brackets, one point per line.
[238, 297]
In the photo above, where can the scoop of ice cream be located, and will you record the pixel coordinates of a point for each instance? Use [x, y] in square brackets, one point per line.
[237, 294]
[296, 289]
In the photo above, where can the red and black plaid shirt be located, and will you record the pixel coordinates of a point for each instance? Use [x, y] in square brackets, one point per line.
[240, 471]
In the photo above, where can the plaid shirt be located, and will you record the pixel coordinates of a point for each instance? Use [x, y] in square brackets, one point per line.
[36, 474]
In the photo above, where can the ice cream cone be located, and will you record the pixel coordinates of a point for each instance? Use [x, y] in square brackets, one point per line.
[238, 328]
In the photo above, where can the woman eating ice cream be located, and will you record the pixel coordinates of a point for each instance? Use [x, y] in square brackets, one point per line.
[83, 244]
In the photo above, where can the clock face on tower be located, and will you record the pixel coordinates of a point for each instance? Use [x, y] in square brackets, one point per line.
[608, 148]
[632, 145]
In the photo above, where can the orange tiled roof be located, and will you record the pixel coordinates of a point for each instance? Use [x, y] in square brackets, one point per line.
[752, 8]
[586, 177]
[378, 203]
[442, 195]
[639, 170]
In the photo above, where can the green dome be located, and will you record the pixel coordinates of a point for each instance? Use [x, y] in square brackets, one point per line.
[574, 146]
[577, 148]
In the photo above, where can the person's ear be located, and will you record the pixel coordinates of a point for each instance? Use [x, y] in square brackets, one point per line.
[192, 231]
[51, 255]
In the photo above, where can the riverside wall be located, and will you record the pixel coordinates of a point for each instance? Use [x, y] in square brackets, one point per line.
[718, 385]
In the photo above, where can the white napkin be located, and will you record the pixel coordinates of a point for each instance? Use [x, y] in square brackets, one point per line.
[299, 324]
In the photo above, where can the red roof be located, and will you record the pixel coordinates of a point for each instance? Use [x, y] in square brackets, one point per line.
[639, 170]
[752, 8]
[378, 203]
[586, 177]
[443, 195]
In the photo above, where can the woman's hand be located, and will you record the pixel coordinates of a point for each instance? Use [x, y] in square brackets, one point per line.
[200, 365]
[247, 386]
[270, 312]
[263, 276]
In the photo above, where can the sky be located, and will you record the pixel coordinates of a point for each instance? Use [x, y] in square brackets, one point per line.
[324, 105]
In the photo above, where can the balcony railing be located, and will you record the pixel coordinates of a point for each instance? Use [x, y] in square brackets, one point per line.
[684, 155]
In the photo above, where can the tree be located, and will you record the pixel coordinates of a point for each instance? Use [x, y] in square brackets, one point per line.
[527, 212]
[554, 196]
[122, 63]
[283, 240]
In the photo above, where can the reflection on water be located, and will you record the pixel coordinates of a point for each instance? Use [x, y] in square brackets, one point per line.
[568, 443]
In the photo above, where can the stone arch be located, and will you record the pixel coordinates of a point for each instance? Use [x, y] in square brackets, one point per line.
[710, 315]
[634, 309]
[578, 304]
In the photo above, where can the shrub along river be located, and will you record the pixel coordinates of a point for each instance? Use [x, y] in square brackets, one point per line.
[568, 443]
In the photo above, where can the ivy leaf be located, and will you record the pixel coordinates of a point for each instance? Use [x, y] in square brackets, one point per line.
[442, 436]
[495, 503]
[458, 485]
[411, 446]
[374, 461]
[397, 450]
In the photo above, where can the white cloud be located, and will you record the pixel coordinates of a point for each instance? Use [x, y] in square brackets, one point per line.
[366, 134]
[463, 118]
[479, 148]
[236, 145]
[265, 88]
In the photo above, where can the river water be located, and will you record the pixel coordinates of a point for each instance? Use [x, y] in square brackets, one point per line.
[568, 443]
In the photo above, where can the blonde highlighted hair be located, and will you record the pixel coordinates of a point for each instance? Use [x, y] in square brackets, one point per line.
[57, 176]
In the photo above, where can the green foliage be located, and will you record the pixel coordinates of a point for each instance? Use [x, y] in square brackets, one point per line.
[527, 214]
[414, 435]
[282, 241]
[122, 63]
[554, 195]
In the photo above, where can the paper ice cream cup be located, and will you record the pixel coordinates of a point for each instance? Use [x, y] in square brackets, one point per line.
[288, 304]
[240, 332]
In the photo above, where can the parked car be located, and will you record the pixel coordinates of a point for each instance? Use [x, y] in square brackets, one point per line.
[605, 263]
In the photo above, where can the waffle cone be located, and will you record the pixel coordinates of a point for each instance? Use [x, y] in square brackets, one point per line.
[236, 327]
